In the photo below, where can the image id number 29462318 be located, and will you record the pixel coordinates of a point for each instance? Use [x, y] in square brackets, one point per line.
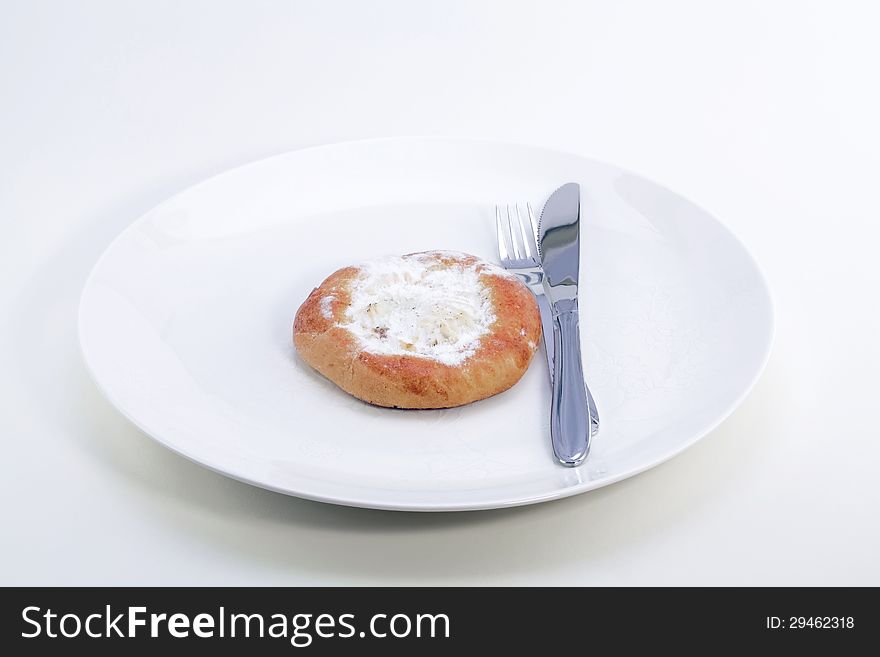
[810, 622]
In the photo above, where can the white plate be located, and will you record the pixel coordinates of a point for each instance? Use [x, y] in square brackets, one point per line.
[185, 324]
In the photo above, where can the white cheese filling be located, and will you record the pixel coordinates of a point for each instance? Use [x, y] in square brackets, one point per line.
[414, 305]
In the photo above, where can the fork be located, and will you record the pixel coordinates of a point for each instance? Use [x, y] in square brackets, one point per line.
[518, 251]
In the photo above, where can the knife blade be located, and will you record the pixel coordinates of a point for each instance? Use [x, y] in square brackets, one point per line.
[572, 413]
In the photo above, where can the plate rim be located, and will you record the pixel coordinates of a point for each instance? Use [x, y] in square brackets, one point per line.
[361, 502]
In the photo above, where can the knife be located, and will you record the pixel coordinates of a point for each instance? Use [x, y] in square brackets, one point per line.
[573, 419]
[547, 335]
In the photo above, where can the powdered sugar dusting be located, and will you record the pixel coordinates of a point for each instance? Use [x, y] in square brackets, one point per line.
[414, 305]
[482, 266]
[327, 306]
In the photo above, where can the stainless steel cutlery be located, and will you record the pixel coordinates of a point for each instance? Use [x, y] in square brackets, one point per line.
[546, 258]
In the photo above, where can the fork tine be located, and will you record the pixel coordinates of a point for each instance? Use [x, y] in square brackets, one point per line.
[522, 229]
[533, 233]
[502, 242]
[513, 241]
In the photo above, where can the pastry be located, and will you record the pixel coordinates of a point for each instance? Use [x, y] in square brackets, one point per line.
[425, 330]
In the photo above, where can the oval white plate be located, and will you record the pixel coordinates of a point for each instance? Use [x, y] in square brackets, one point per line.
[185, 324]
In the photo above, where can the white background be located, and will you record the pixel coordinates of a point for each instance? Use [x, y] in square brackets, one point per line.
[765, 113]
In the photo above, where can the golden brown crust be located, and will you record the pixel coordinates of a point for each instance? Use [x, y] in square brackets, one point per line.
[407, 381]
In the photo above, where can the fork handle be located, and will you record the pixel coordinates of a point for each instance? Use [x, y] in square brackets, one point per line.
[569, 415]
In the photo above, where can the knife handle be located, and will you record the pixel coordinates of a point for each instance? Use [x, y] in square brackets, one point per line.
[569, 415]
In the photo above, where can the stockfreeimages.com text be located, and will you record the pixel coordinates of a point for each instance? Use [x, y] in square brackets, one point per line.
[299, 629]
